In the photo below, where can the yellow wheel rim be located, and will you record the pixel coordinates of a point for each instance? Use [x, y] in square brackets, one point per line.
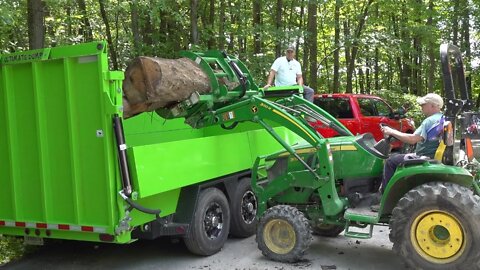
[438, 237]
[279, 236]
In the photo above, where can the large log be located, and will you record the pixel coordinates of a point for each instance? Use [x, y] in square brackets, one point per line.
[151, 83]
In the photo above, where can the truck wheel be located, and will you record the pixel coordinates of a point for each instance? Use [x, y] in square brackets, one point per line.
[283, 234]
[243, 209]
[328, 230]
[208, 230]
[435, 226]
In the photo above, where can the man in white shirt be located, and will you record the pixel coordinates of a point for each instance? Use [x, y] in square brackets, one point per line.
[287, 71]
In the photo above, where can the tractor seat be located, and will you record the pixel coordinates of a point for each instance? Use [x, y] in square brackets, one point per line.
[412, 162]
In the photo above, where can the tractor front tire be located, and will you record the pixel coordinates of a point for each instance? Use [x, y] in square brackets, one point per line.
[210, 224]
[243, 209]
[283, 234]
[327, 230]
[435, 226]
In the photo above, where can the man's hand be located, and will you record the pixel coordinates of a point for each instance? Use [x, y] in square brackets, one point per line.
[388, 130]
[267, 86]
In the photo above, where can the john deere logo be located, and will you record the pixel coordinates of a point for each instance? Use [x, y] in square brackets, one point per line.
[254, 109]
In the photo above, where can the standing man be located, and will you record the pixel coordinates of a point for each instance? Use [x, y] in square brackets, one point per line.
[287, 71]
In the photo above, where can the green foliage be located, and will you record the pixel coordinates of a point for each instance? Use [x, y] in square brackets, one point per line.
[11, 248]
[399, 100]
[402, 38]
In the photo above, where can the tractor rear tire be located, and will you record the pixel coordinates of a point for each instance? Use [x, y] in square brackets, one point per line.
[283, 234]
[435, 226]
[210, 224]
[243, 210]
[327, 230]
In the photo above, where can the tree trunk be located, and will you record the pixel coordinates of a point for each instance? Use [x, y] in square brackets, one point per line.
[377, 56]
[377, 69]
[431, 53]
[113, 54]
[221, 26]
[361, 80]
[456, 10]
[68, 11]
[135, 27]
[368, 81]
[257, 23]
[194, 21]
[336, 47]
[153, 83]
[147, 31]
[300, 25]
[466, 45]
[312, 42]
[346, 37]
[211, 23]
[233, 21]
[278, 26]
[355, 45]
[36, 26]
[85, 29]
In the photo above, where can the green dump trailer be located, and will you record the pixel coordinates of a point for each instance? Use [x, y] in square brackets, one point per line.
[64, 152]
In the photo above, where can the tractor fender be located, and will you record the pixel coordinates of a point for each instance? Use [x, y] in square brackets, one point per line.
[407, 178]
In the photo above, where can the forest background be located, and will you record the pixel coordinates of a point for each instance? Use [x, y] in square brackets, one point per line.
[347, 46]
[388, 48]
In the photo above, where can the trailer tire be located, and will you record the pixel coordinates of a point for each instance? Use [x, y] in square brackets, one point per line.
[283, 234]
[434, 226]
[327, 230]
[243, 210]
[210, 224]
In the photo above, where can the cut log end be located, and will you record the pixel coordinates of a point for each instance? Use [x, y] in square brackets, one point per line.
[151, 83]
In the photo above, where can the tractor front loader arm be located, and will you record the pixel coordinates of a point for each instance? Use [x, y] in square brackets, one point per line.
[291, 113]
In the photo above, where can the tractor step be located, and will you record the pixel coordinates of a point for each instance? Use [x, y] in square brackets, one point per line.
[360, 210]
[361, 213]
[356, 234]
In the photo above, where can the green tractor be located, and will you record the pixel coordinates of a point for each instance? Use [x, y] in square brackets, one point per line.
[327, 186]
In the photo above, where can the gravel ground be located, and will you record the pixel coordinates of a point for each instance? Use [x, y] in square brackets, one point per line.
[238, 254]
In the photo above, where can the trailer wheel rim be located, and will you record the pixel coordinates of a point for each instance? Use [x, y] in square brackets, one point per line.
[279, 236]
[438, 236]
[249, 207]
[213, 220]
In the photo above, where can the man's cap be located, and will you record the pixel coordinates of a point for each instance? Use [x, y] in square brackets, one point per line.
[432, 99]
[290, 48]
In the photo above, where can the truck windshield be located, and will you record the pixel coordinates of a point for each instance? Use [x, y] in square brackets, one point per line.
[338, 107]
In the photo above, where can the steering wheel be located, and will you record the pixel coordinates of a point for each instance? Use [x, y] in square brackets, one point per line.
[389, 138]
[383, 146]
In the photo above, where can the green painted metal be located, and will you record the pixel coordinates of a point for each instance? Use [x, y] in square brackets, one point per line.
[58, 151]
[359, 235]
[56, 138]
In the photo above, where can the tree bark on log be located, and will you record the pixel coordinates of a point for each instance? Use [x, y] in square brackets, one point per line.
[151, 83]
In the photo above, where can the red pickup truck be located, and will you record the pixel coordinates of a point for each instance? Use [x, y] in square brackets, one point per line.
[361, 114]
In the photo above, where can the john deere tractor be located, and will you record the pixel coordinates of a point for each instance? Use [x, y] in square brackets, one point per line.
[327, 186]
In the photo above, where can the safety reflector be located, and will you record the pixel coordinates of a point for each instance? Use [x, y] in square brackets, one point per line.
[63, 227]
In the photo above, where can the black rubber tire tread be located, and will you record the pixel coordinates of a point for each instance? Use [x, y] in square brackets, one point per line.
[302, 232]
[196, 240]
[238, 227]
[458, 201]
[331, 231]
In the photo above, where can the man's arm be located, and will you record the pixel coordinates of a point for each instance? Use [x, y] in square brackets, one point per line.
[300, 79]
[271, 75]
[404, 137]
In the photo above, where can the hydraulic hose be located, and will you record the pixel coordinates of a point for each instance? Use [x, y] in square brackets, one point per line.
[126, 191]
